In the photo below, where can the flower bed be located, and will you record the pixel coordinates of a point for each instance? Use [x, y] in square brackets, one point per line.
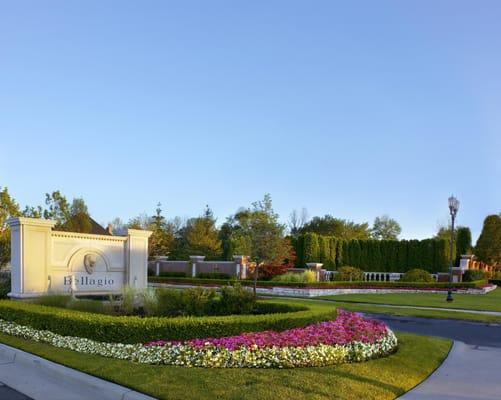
[349, 338]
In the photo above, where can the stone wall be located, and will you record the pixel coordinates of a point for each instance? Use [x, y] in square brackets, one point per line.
[46, 261]
[197, 265]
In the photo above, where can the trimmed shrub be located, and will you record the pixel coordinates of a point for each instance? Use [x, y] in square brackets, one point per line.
[90, 306]
[236, 300]
[290, 277]
[53, 300]
[471, 275]
[348, 273]
[196, 301]
[417, 275]
[213, 275]
[173, 274]
[4, 286]
[133, 329]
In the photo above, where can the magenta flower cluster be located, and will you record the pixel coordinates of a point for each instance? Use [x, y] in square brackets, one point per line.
[346, 328]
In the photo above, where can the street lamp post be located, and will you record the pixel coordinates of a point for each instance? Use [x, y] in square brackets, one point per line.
[453, 208]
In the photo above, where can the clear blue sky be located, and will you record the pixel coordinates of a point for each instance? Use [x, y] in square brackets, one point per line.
[355, 108]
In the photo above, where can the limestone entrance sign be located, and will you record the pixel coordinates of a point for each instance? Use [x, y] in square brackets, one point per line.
[46, 261]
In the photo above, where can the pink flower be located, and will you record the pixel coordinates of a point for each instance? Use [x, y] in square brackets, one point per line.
[346, 328]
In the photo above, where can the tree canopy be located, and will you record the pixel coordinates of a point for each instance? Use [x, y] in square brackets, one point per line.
[385, 228]
[488, 247]
[340, 228]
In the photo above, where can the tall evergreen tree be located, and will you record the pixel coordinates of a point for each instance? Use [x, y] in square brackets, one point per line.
[202, 236]
[331, 265]
[162, 240]
[323, 248]
[413, 254]
[8, 208]
[463, 242]
[311, 248]
[488, 247]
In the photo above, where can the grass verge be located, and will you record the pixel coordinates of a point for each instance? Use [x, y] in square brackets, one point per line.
[413, 312]
[483, 302]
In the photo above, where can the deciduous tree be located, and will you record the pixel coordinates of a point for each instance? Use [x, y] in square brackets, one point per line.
[385, 228]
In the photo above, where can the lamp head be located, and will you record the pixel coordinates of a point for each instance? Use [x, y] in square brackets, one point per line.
[453, 205]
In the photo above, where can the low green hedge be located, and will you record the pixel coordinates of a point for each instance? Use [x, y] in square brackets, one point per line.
[495, 281]
[173, 274]
[105, 328]
[322, 285]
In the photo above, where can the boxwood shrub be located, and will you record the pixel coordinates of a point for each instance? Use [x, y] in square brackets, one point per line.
[133, 329]
[471, 275]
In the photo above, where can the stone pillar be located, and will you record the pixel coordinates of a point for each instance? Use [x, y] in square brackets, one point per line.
[315, 267]
[137, 258]
[194, 260]
[465, 262]
[241, 263]
[157, 263]
[30, 240]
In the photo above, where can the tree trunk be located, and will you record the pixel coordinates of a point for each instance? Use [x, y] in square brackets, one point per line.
[256, 273]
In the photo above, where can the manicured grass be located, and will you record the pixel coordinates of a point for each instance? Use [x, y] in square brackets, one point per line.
[413, 312]
[484, 302]
[385, 378]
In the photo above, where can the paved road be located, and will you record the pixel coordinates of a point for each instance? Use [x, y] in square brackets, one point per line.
[7, 393]
[472, 370]
[473, 333]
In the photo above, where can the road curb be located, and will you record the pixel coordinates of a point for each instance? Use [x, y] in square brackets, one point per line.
[17, 365]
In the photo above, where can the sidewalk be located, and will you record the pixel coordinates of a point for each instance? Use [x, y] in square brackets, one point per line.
[41, 379]
[469, 372]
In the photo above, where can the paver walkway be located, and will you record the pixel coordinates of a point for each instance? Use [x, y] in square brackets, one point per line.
[469, 372]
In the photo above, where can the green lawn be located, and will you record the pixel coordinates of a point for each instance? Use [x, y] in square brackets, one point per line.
[385, 378]
[413, 312]
[485, 302]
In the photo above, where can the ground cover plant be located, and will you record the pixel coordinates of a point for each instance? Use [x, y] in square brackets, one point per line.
[484, 302]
